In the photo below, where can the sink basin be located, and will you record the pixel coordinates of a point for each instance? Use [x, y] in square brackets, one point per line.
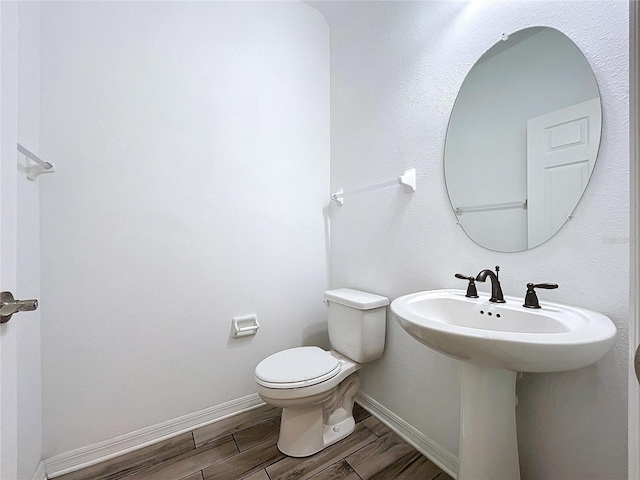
[550, 339]
[493, 341]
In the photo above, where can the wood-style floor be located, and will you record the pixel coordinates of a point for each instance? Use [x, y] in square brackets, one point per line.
[243, 447]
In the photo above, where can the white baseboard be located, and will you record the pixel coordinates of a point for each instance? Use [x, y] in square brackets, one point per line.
[99, 452]
[41, 473]
[430, 449]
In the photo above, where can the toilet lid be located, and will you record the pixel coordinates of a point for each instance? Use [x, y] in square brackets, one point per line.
[297, 367]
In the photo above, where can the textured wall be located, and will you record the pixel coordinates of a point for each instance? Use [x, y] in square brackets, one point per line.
[395, 71]
[192, 149]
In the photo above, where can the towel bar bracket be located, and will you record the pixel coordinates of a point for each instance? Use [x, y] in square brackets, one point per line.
[35, 166]
[34, 171]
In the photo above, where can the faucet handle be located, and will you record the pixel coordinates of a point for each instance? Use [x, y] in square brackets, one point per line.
[530, 298]
[472, 291]
[464, 277]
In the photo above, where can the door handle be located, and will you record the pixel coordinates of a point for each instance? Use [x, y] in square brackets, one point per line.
[9, 306]
[637, 363]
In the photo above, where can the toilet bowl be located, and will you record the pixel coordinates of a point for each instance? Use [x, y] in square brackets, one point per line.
[317, 410]
[315, 388]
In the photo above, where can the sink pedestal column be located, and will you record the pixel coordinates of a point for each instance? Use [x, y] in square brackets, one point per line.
[488, 439]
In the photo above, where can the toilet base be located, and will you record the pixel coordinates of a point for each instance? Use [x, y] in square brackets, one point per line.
[297, 442]
[305, 430]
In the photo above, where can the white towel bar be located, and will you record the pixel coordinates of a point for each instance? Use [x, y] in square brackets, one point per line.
[34, 172]
[407, 179]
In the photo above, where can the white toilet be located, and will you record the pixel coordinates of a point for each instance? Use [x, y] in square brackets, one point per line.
[315, 388]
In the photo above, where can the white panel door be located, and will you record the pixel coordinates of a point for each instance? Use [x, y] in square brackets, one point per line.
[634, 324]
[8, 235]
[561, 151]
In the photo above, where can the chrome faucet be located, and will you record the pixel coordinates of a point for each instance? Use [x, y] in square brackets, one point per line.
[496, 289]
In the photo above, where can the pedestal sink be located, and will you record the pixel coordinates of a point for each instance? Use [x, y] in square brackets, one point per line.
[493, 342]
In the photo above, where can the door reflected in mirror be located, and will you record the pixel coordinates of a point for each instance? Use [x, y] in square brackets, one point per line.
[522, 140]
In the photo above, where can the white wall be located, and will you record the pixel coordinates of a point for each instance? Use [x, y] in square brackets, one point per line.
[29, 389]
[395, 71]
[192, 147]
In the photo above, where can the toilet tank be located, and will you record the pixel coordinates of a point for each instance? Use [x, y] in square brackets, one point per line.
[356, 323]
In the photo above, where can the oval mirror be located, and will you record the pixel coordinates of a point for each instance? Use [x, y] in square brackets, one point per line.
[522, 140]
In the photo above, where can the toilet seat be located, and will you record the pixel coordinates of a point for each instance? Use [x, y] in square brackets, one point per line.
[296, 368]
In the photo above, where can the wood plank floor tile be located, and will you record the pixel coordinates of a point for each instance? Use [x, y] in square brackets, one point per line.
[300, 468]
[244, 447]
[260, 475]
[245, 463]
[338, 471]
[378, 455]
[376, 426]
[234, 424]
[195, 476]
[413, 466]
[252, 436]
[359, 413]
[137, 460]
[444, 476]
[190, 462]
